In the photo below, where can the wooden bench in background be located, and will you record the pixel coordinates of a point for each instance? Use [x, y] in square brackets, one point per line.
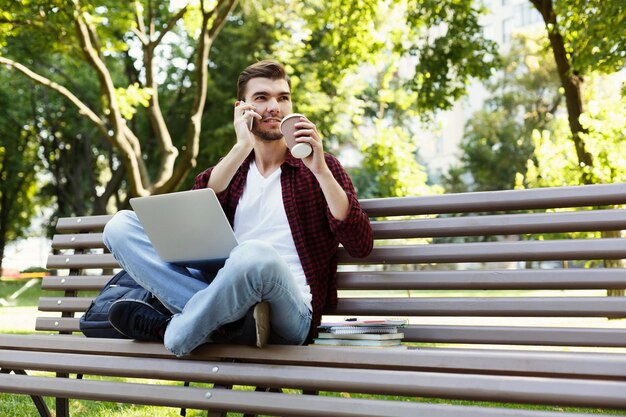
[508, 332]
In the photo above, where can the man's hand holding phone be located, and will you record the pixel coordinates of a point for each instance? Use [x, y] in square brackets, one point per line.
[244, 121]
[250, 117]
[248, 113]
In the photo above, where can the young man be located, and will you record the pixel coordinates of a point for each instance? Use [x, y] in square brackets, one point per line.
[289, 216]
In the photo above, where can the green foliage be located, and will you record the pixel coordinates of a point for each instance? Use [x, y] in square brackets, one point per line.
[586, 37]
[128, 99]
[494, 149]
[555, 157]
[389, 167]
[594, 34]
[604, 121]
[18, 160]
[19, 166]
[245, 39]
[325, 45]
[404, 72]
[449, 50]
[497, 144]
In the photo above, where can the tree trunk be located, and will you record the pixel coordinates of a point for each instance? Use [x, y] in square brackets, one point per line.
[572, 84]
[5, 213]
[2, 246]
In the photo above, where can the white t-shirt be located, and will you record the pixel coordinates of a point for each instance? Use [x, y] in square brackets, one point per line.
[261, 215]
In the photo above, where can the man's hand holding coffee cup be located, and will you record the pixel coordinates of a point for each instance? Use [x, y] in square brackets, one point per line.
[298, 130]
[303, 140]
[291, 127]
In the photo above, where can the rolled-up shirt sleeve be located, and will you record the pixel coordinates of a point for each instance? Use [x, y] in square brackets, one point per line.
[355, 231]
[202, 179]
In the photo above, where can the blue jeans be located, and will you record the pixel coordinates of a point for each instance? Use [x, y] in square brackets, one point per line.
[204, 301]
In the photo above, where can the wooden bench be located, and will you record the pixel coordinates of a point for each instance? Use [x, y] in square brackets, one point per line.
[500, 306]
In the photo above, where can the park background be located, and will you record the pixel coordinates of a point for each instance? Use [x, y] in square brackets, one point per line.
[103, 100]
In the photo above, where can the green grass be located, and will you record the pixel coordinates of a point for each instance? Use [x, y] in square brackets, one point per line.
[22, 406]
[27, 298]
[19, 318]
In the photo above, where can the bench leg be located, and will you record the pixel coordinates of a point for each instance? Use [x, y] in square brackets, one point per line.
[40, 404]
[63, 407]
[62, 404]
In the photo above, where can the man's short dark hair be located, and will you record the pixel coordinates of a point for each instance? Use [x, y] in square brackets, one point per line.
[262, 69]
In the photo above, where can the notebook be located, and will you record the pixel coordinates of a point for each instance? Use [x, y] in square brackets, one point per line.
[187, 228]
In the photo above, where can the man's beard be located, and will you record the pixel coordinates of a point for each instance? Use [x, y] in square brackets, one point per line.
[266, 135]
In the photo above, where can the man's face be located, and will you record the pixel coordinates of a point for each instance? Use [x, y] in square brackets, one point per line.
[272, 100]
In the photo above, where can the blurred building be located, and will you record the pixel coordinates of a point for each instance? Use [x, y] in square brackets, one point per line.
[439, 147]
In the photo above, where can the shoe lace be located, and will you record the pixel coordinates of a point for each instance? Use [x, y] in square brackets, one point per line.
[150, 326]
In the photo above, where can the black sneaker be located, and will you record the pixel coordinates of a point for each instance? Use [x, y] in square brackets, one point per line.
[138, 320]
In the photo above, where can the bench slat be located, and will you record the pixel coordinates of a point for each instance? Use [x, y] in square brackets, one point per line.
[496, 335]
[425, 280]
[514, 335]
[64, 304]
[75, 282]
[436, 306]
[484, 306]
[78, 241]
[405, 383]
[506, 362]
[251, 402]
[505, 279]
[512, 224]
[82, 223]
[203, 398]
[90, 261]
[57, 324]
[445, 253]
[486, 201]
[490, 201]
[596, 220]
[580, 249]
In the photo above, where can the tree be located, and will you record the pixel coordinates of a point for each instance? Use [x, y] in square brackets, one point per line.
[143, 43]
[19, 165]
[497, 144]
[424, 66]
[389, 167]
[555, 156]
[584, 36]
[101, 47]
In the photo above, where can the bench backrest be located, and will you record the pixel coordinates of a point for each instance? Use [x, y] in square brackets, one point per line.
[469, 268]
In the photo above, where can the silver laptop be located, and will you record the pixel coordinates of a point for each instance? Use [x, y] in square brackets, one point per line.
[187, 228]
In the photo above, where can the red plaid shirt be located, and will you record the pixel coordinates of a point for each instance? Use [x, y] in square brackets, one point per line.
[315, 231]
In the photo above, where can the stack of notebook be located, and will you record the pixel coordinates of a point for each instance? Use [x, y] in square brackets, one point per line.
[366, 333]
